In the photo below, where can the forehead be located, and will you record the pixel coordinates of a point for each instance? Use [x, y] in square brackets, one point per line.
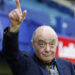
[44, 32]
[45, 35]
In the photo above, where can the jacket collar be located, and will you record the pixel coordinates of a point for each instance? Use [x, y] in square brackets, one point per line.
[60, 67]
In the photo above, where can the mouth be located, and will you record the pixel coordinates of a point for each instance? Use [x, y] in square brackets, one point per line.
[46, 54]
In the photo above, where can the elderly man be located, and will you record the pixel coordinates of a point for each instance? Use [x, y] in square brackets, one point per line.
[44, 42]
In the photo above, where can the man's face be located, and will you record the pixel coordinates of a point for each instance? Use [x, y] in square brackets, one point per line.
[45, 46]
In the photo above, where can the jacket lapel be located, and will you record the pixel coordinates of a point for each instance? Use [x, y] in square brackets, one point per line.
[61, 68]
[43, 71]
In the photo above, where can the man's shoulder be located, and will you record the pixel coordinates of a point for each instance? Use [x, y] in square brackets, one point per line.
[26, 54]
[25, 57]
[63, 61]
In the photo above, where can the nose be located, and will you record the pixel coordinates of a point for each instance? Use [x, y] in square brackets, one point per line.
[47, 48]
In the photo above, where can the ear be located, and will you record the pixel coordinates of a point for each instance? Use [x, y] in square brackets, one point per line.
[32, 43]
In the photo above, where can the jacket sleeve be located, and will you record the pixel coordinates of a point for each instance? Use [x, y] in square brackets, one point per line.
[11, 53]
[19, 62]
[10, 42]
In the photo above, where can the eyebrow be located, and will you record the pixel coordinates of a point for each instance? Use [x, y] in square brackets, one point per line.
[41, 40]
[48, 40]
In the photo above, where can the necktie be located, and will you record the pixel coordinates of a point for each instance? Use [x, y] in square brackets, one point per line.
[52, 70]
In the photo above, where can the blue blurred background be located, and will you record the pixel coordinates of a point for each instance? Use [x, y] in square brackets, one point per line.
[60, 14]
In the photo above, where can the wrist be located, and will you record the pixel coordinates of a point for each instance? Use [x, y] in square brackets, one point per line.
[13, 28]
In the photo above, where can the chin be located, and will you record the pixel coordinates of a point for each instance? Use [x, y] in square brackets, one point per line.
[47, 60]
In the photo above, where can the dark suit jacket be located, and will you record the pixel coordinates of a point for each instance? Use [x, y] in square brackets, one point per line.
[24, 64]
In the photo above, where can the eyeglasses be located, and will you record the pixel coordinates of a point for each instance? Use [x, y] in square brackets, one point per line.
[44, 43]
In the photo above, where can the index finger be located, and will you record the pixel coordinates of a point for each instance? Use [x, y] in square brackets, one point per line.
[18, 5]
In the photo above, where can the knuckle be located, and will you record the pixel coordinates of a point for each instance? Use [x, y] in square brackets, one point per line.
[16, 10]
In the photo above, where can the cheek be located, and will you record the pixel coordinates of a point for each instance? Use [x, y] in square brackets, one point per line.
[53, 50]
[37, 50]
[39, 53]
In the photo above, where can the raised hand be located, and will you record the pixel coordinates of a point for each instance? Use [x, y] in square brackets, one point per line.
[16, 17]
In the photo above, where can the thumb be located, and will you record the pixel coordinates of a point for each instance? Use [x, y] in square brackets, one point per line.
[24, 14]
